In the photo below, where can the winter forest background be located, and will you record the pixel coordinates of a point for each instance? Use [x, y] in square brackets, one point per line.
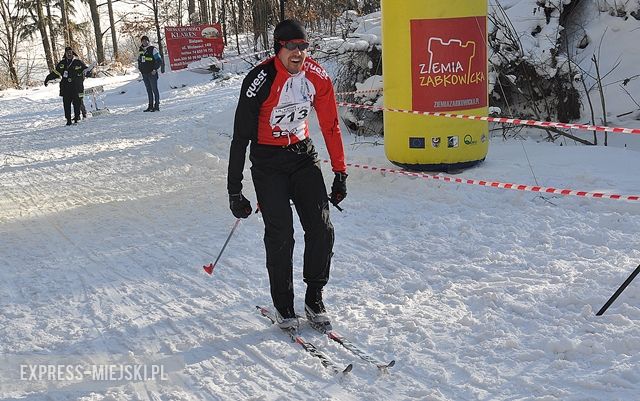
[548, 61]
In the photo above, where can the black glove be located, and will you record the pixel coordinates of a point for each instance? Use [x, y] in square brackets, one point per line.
[240, 206]
[339, 188]
[46, 82]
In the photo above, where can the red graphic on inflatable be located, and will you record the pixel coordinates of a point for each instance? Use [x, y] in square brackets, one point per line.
[186, 44]
[449, 64]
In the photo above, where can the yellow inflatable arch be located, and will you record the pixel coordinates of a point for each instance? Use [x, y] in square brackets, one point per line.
[434, 59]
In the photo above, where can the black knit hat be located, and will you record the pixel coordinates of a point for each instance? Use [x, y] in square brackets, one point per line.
[145, 37]
[66, 49]
[288, 29]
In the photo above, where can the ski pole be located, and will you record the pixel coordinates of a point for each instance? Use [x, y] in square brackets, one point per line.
[619, 291]
[209, 268]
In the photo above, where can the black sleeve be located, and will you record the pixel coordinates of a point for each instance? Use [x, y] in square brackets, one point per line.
[53, 75]
[56, 73]
[255, 90]
[139, 64]
[79, 75]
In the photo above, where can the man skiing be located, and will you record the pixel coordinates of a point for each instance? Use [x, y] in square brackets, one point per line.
[275, 103]
[149, 61]
[71, 71]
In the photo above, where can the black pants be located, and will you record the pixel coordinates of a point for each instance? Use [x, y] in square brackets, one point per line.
[151, 83]
[83, 108]
[68, 99]
[280, 175]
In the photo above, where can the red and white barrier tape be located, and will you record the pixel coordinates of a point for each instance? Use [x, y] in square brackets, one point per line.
[359, 92]
[495, 184]
[502, 120]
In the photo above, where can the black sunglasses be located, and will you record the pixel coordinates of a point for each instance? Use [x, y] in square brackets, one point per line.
[291, 45]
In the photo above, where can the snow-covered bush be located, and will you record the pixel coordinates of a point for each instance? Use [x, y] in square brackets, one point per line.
[620, 8]
[356, 61]
[529, 75]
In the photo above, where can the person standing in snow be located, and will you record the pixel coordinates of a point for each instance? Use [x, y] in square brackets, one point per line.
[275, 102]
[149, 61]
[71, 71]
[83, 108]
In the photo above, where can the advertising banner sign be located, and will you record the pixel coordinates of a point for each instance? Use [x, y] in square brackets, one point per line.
[449, 64]
[186, 44]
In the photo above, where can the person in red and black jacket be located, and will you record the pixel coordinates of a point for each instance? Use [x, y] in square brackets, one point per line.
[275, 102]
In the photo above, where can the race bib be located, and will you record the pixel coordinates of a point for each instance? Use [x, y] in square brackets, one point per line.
[290, 116]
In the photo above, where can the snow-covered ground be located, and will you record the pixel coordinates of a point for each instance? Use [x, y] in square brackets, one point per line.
[477, 293]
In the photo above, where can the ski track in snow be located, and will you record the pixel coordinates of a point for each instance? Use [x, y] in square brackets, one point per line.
[477, 293]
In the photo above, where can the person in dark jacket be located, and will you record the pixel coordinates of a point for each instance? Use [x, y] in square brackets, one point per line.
[275, 103]
[83, 108]
[149, 61]
[70, 70]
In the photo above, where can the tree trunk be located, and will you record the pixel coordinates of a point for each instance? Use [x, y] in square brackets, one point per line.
[204, 11]
[156, 20]
[191, 9]
[234, 19]
[66, 31]
[13, 74]
[43, 34]
[52, 32]
[95, 17]
[112, 24]
[260, 18]
[241, 17]
[224, 21]
[214, 11]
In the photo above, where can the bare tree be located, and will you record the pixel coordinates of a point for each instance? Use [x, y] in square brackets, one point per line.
[260, 13]
[13, 17]
[95, 18]
[214, 11]
[223, 16]
[66, 31]
[179, 13]
[155, 6]
[234, 20]
[112, 26]
[191, 9]
[37, 23]
[240, 23]
[159, 15]
[52, 31]
[204, 11]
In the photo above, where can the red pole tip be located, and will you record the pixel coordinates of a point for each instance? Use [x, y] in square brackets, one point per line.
[209, 268]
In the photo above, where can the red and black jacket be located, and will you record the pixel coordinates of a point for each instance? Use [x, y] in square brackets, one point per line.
[273, 110]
